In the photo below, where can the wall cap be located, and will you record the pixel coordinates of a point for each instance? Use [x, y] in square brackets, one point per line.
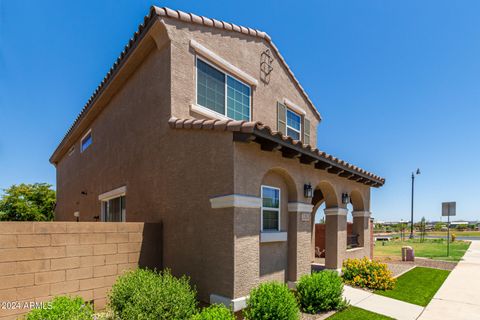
[235, 304]
[113, 194]
[207, 112]
[361, 213]
[236, 201]
[273, 236]
[294, 107]
[335, 212]
[299, 207]
[224, 64]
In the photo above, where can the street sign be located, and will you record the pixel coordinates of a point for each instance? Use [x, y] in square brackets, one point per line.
[449, 209]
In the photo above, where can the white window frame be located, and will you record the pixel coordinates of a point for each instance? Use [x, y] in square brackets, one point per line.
[209, 111]
[89, 132]
[292, 128]
[113, 194]
[279, 209]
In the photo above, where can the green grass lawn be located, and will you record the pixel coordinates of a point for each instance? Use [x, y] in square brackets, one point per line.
[354, 313]
[458, 233]
[431, 248]
[417, 286]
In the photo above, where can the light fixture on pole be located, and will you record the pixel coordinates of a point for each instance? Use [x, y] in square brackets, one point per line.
[413, 186]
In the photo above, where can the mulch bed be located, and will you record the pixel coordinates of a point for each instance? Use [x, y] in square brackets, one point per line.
[397, 266]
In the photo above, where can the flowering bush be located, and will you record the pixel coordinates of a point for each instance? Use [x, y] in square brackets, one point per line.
[366, 273]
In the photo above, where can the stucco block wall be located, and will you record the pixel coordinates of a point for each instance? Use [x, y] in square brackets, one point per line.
[125, 149]
[40, 260]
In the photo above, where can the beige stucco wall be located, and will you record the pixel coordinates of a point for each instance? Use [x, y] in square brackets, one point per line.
[254, 167]
[170, 175]
[242, 51]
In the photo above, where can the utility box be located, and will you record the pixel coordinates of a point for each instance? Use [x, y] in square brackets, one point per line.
[408, 253]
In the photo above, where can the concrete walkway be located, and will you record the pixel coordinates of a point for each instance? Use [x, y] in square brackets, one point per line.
[383, 305]
[459, 296]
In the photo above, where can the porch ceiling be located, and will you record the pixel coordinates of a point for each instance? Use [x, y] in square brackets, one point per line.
[269, 140]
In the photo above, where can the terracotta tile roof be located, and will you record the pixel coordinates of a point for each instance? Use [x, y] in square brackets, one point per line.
[254, 127]
[186, 17]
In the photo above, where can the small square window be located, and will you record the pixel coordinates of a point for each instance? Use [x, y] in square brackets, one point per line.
[87, 140]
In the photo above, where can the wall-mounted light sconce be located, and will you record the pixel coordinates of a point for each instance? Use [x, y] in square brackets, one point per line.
[76, 214]
[345, 198]
[307, 190]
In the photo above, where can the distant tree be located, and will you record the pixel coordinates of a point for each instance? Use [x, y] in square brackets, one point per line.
[438, 226]
[423, 225]
[27, 202]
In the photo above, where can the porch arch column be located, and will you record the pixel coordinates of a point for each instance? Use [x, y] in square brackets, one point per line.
[361, 226]
[335, 237]
[299, 257]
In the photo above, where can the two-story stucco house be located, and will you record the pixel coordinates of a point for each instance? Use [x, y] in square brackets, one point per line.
[201, 125]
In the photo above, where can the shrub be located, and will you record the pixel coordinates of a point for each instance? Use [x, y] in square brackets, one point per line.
[366, 273]
[61, 308]
[320, 291]
[215, 312]
[271, 301]
[146, 294]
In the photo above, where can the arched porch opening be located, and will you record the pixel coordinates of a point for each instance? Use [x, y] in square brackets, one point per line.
[325, 203]
[361, 219]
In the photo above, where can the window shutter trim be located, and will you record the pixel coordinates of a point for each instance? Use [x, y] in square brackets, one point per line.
[281, 118]
[306, 131]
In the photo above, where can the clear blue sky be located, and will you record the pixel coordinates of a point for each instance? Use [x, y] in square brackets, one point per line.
[397, 83]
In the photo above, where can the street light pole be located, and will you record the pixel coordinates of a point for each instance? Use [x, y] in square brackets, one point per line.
[413, 188]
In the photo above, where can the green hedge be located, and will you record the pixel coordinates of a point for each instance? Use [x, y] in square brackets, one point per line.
[61, 308]
[215, 312]
[271, 301]
[320, 291]
[144, 294]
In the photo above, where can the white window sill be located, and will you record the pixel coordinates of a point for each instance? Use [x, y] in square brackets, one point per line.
[273, 236]
[355, 249]
[207, 112]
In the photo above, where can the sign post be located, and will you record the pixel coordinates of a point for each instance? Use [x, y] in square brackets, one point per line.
[448, 209]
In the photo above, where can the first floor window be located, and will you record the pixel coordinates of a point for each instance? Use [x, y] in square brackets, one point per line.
[222, 93]
[293, 124]
[270, 208]
[113, 210]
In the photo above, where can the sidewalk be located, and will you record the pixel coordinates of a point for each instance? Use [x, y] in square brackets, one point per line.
[387, 306]
[459, 296]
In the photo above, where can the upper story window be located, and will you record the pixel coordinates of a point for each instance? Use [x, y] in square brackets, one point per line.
[294, 127]
[86, 141]
[222, 93]
[270, 208]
